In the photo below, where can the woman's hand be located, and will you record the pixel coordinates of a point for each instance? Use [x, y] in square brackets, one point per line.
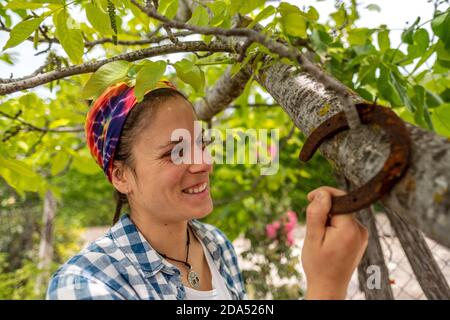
[331, 252]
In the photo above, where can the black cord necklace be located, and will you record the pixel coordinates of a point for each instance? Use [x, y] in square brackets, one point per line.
[193, 278]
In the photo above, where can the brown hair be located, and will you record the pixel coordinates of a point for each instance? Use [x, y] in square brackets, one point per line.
[136, 121]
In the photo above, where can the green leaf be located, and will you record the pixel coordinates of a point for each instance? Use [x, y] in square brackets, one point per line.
[425, 57]
[105, 76]
[220, 12]
[244, 7]
[441, 119]
[419, 101]
[312, 14]
[22, 31]
[294, 24]
[147, 77]
[285, 8]
[85, 164]
[441, 26]
[7, 58]
[359, 36]
[199, 17]
[320, 39]
[407, 35]
[401, 90]
[339, 16]
[394, 56]
[383, 40]
[386, 89]
[19, 175]
[432, 99]
[36, 39]
[18, 167]
[420, 44]
[443, 55]
[102, 5]
[188, 72]
[23, 5]
[59, 162]
[98, 19]
[71, 39]
[264, 14]
[168, 8]
[373, 7]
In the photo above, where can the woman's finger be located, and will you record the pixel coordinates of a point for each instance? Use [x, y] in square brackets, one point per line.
[317, 216]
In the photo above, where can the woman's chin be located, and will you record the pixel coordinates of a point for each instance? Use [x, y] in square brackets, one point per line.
[200, 211]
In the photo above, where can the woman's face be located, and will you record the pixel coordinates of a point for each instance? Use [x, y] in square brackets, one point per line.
[169, 192]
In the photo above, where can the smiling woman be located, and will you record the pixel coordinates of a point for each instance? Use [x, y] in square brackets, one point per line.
[160, 250]
[131, 142]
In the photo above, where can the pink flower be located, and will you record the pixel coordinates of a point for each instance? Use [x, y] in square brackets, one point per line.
[291, 221]
[289, 227]
[290, 239]
[272, 229]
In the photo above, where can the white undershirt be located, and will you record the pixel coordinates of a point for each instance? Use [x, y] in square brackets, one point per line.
[219, 291]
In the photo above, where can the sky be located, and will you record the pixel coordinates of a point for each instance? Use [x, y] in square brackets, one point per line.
[394, 13]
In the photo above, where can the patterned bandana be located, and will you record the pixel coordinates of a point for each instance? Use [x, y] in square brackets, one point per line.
[106, 118]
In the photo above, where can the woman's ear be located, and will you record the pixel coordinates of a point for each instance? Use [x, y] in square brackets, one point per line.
[120, 179]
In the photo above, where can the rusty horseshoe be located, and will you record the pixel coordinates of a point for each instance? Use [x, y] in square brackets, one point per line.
[393, 169]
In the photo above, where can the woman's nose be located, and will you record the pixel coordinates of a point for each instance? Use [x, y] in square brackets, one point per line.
[202, 162]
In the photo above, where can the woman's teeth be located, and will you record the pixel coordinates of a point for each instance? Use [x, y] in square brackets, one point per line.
[198, 189]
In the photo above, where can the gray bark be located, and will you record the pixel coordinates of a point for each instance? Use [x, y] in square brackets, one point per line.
[427, 272]
[422, 197]
[226, 89]
[373, 257]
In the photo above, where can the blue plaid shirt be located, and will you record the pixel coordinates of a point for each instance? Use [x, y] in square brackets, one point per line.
[123, 265]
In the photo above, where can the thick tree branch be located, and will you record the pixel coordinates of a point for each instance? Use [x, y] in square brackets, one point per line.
[188, 46]
[226, 89]
[276, 47]
[430, 277]
[422, 197]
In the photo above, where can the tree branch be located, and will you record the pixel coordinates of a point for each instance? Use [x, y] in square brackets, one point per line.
[32, 127]
[188, 46]
[226, 89]
[89, 44]
[282, 50]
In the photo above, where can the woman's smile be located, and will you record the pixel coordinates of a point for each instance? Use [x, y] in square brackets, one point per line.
[197, 192]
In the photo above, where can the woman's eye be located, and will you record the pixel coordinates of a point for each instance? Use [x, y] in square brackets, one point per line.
[178, 152]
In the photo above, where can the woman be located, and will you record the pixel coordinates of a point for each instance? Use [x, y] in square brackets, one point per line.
[160, 250]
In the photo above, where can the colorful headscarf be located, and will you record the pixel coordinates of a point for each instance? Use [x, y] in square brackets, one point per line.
[106, 118]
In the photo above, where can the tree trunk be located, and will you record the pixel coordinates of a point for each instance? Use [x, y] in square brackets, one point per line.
[46, 244]
[422, 197]
[427, 272]
[373, 261]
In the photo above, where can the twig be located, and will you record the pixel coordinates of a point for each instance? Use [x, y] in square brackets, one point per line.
[89, 44]
[31, 127]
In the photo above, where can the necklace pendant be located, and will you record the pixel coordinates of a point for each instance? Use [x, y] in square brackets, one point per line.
[193, 279]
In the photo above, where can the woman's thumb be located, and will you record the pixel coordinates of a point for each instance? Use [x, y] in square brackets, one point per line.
[317, 215]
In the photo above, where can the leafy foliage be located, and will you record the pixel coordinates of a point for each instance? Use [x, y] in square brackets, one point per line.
[38, 153]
